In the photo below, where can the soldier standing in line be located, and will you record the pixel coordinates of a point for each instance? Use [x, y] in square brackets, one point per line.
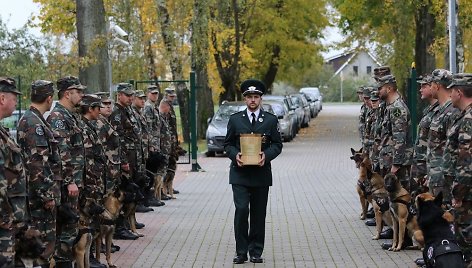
[153, 121]
[366, 145]
[461, 97]
[68, 132]
[91, 196]
[144, 179]
[43, 164]
[373, 151]
[362, 114]
[123, 123]
[418, 169]
[13, 180]
[440, 123]
[396, 146]
[166, 138]
[173, 156]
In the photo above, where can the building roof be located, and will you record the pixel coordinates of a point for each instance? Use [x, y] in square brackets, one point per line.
[339, 62]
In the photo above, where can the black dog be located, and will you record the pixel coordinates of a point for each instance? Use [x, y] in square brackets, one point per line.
[440, 249]
[28, 246]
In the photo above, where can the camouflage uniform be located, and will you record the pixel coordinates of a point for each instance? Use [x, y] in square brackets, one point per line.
[173, 156]
[36, 139]
[376, 132]
[143, 144]
[67, 129]
[13, 184]
[165, 144]
[440, 123]
[110, 141]
[362, 118]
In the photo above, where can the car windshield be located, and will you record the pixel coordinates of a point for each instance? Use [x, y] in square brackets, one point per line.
[225, 111]
[296, 100]
[278, 109]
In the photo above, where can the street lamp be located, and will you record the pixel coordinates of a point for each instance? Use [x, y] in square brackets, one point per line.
[120, 38]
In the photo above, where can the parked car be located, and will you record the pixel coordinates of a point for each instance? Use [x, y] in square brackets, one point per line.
[285, 124]
[11, 122]
[300, 101]
[46, 114]
[316, 92]
[287, 102]
[313, 102]
[216, 131]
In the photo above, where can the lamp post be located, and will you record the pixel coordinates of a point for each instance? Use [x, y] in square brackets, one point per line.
[452, 36]
[342, 78]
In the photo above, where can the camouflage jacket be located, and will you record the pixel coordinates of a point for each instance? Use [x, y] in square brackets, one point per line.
[362, 118]
[145, 137]
[440, 123]
[13, 181]
[368, 139]
[68, 132]
[172, 119]
[166, 139]
[396, 143]
[42, 158]
[376, 132]
[124, 125]
[451, 147]
[151, 112]
[95, 161]
[421, 143]
[464, 156]
[111, 145]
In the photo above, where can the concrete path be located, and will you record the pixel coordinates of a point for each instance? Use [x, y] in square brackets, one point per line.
[313, 210]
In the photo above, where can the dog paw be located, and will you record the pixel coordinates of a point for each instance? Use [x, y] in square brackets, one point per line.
[375, 237]
[391, 249]
[362, 217]
[397, 249]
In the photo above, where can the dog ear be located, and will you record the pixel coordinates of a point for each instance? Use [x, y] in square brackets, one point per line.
[438, 200]
[360, 151]
[353, 152]
[448, 217]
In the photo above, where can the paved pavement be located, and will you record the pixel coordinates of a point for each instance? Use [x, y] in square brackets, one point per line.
[313, 210]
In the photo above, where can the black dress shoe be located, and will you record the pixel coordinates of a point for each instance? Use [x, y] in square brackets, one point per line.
[156, 203]
[165, 197]
[143, 209]
[103, 249]
[386, 245]
[124, 234]
[115, 247]
[140, 225]
[96, 264]
[386, 234]
[239, 259]
[370, 222]
[420, 262]
[370, 214]
[257, 259]
[175, 191]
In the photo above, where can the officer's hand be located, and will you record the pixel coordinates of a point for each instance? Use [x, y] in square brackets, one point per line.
[73, 189]
[456, 203]
[238, 160]
[262, 161]
[50, 204]
[125, 167]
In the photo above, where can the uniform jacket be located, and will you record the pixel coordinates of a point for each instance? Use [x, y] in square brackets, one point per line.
[151, 113]
[267, 126]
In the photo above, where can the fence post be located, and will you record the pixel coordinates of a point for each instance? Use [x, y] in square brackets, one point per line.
[193, 122]
[412, 101]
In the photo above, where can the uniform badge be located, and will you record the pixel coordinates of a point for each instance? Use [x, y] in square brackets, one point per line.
[264, 139]
[260, 119]
[39, 131]
[60, 124]
[466, 126]
[396, 112]
[430, 253]
[117, 117]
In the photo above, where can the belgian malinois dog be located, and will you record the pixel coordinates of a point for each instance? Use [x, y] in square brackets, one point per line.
[28, 247]
[403, 213]
[379, 196]
[363, 186]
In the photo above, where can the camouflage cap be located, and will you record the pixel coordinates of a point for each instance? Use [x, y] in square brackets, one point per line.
[384, 80]
[170, 92]
[253, 86]
[425, 79]
[374, 95]
[8, 84]
[91, 100]
[441, 76]
[152, 89]
[139, 94]
[69, 82]
[381, 71]
[42, 88]
[105, 96]
[360, 90]
[461, 79]
[366, 92]
[125, 88]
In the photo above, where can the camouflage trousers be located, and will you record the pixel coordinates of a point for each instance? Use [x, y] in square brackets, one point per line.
[6, 246]
[45, 222]
[67, 233]
[463, 222]
[440, 183]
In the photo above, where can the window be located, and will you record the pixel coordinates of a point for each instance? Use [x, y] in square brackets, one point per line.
[355, 70]
[369, 69]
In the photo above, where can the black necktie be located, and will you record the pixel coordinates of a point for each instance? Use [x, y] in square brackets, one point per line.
[253, 119]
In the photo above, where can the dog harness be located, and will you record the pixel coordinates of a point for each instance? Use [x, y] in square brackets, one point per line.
[365, 187]
[382, 201]
[409, 206]
[437, 250]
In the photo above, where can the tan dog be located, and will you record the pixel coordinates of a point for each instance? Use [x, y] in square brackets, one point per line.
[113, 203]
[365, 196]
[403, 216]
[380, 201]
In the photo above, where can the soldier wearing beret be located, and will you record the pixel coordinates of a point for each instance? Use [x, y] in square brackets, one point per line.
[13, 195]
[250, 184]
[418, 168]
[67, 128]
[43, 163]
[126, 125]
[395, 138]
[441, 122]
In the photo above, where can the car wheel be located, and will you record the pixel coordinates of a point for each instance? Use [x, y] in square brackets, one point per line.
[210, 154]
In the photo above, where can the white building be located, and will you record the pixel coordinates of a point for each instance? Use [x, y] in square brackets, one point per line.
[353, 64]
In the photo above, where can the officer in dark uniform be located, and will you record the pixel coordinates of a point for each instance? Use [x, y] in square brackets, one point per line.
[251, 183]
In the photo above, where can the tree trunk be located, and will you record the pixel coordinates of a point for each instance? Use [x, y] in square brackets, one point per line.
[199, 65]
[425, 24]
[93, 44]
[175, 63]
[271, 73]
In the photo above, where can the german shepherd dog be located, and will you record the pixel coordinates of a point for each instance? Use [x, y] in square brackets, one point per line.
[28, 247]
[133, 195]
[363, 185]
[156, 161]
[113, 202]
[440, 248]
[379, 195]
[403, 213]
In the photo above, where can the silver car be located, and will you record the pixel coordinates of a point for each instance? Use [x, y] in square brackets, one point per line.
[283, 114]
